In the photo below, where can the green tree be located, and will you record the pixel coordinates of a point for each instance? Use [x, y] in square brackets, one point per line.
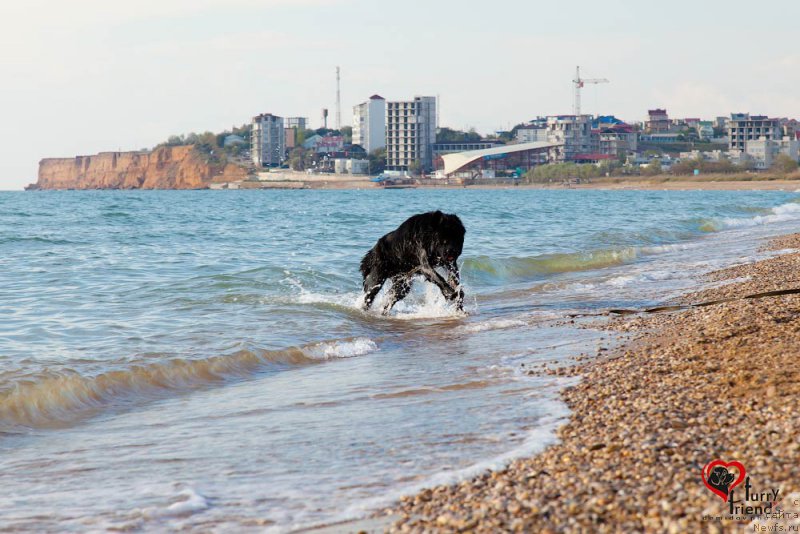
[301, 159]
[653, 168]
[303, 135]
[784, 164]
[347, 134]
[449, 135]
[377, 161]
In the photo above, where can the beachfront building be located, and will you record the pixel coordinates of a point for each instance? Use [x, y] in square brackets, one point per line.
[657, 121]
[267, 140]
[763, 151]
[350, 166]
[496, 161]
[743, 127]
[448, 148]
[618, 141]
[573, 135]
[664, 137]
[410, 134]
[328, 144]
[369, 124]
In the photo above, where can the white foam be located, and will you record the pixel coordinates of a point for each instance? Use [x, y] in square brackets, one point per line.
[424, 302]
[785, 212]
[347, 300]
[304, 296]
[189, 502]
[343, 349]
[492, 324]
[658, 249]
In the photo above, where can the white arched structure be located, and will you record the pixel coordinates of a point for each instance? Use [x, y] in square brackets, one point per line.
[458, 160]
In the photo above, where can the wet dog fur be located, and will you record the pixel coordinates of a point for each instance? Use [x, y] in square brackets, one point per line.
[418, 246]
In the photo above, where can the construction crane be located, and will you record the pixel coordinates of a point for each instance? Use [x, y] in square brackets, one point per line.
[579, 83]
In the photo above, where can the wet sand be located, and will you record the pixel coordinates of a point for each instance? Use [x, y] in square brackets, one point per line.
[688, 387]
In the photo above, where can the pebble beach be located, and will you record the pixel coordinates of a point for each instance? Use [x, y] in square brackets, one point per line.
[685, 388]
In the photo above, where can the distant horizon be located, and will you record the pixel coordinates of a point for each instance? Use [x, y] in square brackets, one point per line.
[129, 78]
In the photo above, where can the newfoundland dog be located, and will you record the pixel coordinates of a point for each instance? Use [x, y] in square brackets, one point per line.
[418, 246]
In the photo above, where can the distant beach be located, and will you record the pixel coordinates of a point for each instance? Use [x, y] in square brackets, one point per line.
[657, 183]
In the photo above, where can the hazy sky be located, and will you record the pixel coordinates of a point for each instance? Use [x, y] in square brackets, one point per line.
[84, 76]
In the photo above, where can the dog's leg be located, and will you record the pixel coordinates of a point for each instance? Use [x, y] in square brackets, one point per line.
[401, 285]
[372, 286]
[454, 279]
[435, 278]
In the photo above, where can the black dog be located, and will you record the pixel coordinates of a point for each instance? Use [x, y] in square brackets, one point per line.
[418, 246]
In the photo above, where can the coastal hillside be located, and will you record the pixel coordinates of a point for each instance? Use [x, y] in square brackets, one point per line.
[166, 167]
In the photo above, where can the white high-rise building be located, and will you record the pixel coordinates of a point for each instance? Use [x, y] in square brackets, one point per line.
[369, 124]
[267, 140]
[410, 134]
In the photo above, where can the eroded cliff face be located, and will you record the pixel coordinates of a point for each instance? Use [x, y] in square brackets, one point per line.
[177, 167]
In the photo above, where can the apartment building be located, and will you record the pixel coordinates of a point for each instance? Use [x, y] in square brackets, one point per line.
[764, 151]
[410, 134]
[657, 121]
[743, 127]
[573, 132]
[267, 140]
[369, 124]
[617, 141]
[298, 123]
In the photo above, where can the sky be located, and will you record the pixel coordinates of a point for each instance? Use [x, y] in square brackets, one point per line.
[88, 76]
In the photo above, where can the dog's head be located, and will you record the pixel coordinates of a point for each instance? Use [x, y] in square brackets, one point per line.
[449, 239]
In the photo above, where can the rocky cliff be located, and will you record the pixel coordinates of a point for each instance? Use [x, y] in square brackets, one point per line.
[177, 167]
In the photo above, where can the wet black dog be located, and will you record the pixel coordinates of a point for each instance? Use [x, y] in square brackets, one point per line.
[418, 246]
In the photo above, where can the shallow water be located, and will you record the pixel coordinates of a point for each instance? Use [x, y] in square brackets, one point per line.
[199, 359]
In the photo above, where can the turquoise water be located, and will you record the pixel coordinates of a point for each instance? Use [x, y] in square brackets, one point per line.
[199, 359]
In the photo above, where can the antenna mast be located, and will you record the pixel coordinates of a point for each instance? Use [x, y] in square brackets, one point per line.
[338, 103]
[438, 109]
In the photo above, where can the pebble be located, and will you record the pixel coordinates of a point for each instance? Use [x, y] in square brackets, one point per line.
[686, 388]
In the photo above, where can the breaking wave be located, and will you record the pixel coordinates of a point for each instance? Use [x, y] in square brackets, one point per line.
[526, 267]
[785, 212]
[57, 400]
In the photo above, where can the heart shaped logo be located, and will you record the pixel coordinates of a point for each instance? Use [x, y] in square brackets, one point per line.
[718, 478]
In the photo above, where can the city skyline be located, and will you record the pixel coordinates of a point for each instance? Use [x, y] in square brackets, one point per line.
[128, 79]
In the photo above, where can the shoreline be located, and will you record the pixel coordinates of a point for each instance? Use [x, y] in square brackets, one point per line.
[690, 387]
[609, 184]
[605, 184]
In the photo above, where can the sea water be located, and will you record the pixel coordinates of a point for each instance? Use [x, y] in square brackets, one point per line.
[199, 360]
